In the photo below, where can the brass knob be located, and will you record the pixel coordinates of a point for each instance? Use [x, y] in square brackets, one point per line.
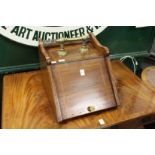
[62, 51]
[84, 48]
[91, 108]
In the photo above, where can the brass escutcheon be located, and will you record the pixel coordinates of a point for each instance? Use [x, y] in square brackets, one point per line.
[91, 108]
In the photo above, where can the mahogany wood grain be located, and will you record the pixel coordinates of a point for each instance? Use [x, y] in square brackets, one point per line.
[25, 103]
[77, 93]
[148, 76]
[72, 94]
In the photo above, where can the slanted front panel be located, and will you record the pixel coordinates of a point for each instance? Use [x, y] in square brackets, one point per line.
[83, 87]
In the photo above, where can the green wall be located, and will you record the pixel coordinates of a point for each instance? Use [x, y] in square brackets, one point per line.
[16, 57]
[121, 40]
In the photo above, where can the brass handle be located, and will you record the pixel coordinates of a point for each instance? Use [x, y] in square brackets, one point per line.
[84, 49]
[62, 52]
[71, 39]
[63, 40]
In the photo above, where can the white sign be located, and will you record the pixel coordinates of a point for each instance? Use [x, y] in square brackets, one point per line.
[29, 35]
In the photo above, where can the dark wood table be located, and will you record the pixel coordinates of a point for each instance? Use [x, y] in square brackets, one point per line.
[25, 103]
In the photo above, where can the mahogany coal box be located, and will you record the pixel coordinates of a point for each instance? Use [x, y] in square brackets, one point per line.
[77, 76]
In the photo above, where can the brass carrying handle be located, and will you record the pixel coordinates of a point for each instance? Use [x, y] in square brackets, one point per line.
[72, 39]
[63, 40]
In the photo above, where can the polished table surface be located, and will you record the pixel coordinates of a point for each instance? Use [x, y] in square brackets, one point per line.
[148, 76]
[25, 104]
